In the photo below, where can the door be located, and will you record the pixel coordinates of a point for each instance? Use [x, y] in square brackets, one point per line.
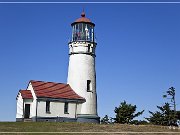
[27, 111]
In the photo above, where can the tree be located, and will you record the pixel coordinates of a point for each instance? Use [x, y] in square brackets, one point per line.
[170, 94]
[105, 120]
[166, 115]
[178, 116]
[139, 122]
[125, 113]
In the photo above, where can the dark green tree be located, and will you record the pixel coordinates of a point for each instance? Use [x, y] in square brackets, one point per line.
[105, 120]
[125, 113]
[170, 94]
[165, 116]
[178, 116]
[139, 122]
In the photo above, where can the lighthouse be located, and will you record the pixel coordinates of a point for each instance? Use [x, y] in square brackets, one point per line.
[81, 70]
[74, 101]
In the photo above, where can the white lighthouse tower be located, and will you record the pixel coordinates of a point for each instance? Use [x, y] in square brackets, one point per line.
[81, 72]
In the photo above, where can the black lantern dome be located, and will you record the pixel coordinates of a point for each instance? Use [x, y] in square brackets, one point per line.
[83, 29]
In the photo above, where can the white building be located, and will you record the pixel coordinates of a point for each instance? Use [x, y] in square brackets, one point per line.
[74, 101]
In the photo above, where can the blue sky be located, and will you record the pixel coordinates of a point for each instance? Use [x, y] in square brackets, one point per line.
[138, 51]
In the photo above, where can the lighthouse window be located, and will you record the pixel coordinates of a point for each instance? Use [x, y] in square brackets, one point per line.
[89, 46]
[66, 107]
[88, 85]
[82, 31]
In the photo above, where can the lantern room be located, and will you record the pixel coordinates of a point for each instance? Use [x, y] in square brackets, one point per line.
[82, 29]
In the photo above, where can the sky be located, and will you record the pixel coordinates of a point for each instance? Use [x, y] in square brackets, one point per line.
[137, 54]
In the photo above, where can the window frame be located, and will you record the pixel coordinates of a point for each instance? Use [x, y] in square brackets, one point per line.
[89, 86]
[89, 48]
[66, 108]
[48, 106]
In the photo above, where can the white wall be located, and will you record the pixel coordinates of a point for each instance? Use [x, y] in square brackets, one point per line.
[29, 101]
[19, 111]
[33, 104]
[81, 69]
[56, 109]
[79, 106]
[81, 47]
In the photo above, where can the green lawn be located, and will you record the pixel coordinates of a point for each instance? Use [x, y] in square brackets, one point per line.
[81, 127]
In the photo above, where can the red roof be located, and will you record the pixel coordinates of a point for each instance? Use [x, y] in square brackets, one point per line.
[26, 94]
[83, 18]
[54, 90]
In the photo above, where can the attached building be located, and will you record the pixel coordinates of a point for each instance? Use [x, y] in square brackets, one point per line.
[48, 101]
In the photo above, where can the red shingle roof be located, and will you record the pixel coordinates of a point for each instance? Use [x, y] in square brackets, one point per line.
[83, 18]
[26, 94]
[54, 90]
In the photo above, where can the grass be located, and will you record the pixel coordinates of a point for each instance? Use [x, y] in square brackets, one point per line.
[81, 127]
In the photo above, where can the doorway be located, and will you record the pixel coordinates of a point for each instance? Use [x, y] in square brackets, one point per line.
[27, 111]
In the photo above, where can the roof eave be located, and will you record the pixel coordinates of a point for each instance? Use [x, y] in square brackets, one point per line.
[61, 99]
[83, 22]
[27, 98]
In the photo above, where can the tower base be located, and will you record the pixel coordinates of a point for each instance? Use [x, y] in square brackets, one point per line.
[88, 118]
